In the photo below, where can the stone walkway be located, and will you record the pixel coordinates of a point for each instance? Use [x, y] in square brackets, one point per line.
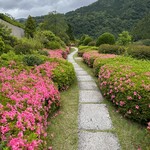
[93, 119]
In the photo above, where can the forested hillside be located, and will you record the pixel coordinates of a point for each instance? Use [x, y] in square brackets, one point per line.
[108, 16]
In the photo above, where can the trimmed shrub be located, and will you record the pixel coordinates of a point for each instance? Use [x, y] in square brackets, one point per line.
[63, 75]
[87, 40]
[89, 57]
[112, 49]
[32, 60]
[2, 46]
[27, 99]
[139, 52]
[128, 87]
[53, 45]
[92, 43]
[83, 49]
[106, 38]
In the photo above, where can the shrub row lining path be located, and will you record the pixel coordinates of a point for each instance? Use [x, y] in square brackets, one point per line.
[93, 116]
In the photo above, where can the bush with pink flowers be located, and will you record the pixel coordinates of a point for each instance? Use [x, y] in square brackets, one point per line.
[128, 87]
[89, 57]
[125, 82]
[28, 95]
[27, 98]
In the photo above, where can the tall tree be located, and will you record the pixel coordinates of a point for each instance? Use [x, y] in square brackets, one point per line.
[56, 23]
[142, 29]
[30, 27]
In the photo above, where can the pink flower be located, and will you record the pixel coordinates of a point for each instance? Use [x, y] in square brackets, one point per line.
[122, 103]
[135, 93]
[137, 107]
[4, 129]
[50, 148]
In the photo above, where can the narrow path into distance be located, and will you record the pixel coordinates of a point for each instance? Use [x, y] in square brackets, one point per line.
[93, 117]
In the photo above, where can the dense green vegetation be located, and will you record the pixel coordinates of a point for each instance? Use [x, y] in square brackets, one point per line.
[142, 29]
[112, 16]
[11, 20]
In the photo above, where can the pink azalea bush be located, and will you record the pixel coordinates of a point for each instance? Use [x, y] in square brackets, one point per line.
[89, 57]
[100, 61]
[59, 53]
[125, 82]
[128, 87]
[28, 97]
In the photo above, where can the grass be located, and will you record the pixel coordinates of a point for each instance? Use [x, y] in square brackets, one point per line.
[63, 129]
[131, 135]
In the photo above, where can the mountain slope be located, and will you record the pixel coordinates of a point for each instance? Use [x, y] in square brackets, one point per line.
[108, 16]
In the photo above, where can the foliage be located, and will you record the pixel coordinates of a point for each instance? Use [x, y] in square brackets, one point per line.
[30, 27]
[82, 39]
[105, 38]
[139, 52]
[32, 60]
[56, 23]
[87, 40]
[92, 43]
[53, 45]
[70, 33]
[124, 81]
[141, 30]
[24, 117]
[83, 49]
[127, 86]
[11, 20]
[23, 48]
[6, 37]
[107, 16]
[146, 42]
[99, 62]
[64, 75]
[112, 49]
[2, 46]
[43, 52]
[49, 40]
[124, 38]
[89, 57]
[29, 93]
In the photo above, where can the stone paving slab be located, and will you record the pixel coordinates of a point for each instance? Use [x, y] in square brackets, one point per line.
[98, 141]
[79, 73]
[76, 66]
[78, 69]
[85, 78]
[94, 117]
[90, 96]
[88, 86]
[78, 58]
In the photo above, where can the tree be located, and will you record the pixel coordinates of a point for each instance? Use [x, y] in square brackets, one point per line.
[124, 38]
[70, 32]
[106, 38]
[30, 27]
[142, 29]
[56, 23]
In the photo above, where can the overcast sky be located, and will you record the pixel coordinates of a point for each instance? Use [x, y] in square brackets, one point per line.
[24, 8]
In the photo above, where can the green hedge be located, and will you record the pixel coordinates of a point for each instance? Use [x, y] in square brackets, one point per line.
[139, 52]
[63, 74]
[112, 49]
